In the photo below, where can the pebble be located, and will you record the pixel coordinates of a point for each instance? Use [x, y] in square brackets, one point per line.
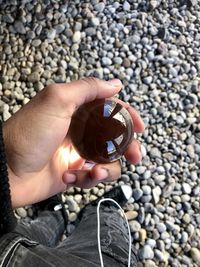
[155, 152]
[134, 226]
[148, 80]
[146, 253]
[72, 205]
[126, 6]
[19, 27]
[99, 7]
[156, 192]
[51, 34]
[137, 193]
[21, 212]
[34, 77]
[195, 254]
[106, 61]
[142, 235]
[186, 188]
[131, 214]
[77, 37]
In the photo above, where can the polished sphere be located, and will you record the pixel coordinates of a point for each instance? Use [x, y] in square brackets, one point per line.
[101, 130]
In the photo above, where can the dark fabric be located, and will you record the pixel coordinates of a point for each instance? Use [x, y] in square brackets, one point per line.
[37, 243]
[7, 218]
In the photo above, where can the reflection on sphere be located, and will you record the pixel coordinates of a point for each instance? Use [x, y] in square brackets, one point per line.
[101, 130]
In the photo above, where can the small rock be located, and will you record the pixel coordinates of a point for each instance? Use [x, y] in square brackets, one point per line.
[140, 169]
[150, 263]
[21, 212]
[72, 216]
[186, 188]
[134, 226]
[106, 61]
[78, 198]
[126, 6]
[131, 214]
[190, 151]
[95, 22]
[76, 37]
[72, 205]
[146, 253]
[195, 254]
[137, 193]
[51, 34]
[34, 77]
[148, 80]
[99, 7]
[156, 192]
[186, 218]
[19, 27]
[155, 152]
[142, 235]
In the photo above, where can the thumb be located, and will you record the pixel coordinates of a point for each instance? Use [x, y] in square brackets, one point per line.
[66, 98]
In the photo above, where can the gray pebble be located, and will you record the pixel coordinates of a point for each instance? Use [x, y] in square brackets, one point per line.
[134, 226]
[19, 27]
[106, 61]
[146, 253]
[21, 212]
[155, 152]
[156, 192]
[137, 193]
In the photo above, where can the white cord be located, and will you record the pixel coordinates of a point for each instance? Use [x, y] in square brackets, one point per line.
[98, 230]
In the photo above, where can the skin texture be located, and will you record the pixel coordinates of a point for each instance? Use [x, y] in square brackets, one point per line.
[41, 160]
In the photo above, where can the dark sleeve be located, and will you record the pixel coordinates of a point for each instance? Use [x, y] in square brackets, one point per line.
[7, 218]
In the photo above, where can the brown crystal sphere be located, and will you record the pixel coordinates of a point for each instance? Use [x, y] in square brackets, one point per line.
[101, 130]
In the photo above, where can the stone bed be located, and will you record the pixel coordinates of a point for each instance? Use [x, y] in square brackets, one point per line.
[154, 48]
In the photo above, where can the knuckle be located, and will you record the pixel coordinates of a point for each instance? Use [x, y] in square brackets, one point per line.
[92, 82]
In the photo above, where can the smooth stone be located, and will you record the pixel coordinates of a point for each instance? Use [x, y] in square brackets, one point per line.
[186, 218]
[131, 214]
[146, 253]
[126, 6]
[161, 227]
[134, 226]
[155, 152]
[142, 235]
[186, 188]
[106, 61]
[34, 77]
[19, 27]
[99, 7]
[150, 263]
[151, 242]
[72, 216]
[148, 80]
[146, 189]
[95, 22]
[156, 192]
[72, 205]
[78, 198]
[21, 212]
[195, 254]
[147, 174]
[140, 169]
[76, 37]
[137, 193]
[51, 34]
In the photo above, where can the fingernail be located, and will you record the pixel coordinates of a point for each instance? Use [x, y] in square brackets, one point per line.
[115, 82]
[69, 178]
[103, 174]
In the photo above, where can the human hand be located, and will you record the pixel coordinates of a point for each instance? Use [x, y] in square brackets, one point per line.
[41, 160]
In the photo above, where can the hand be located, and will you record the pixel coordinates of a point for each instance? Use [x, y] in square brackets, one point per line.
[40, 157]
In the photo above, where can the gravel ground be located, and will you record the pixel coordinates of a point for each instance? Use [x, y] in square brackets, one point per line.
[154, 48]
